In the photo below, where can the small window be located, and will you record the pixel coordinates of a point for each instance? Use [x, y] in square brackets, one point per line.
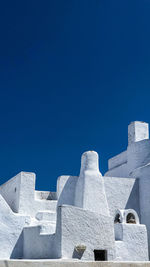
[100, 255]
[130, 218]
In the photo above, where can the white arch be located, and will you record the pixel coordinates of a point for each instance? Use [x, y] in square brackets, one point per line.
[122, 214]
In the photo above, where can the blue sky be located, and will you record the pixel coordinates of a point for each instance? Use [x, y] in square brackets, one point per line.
[73, 74]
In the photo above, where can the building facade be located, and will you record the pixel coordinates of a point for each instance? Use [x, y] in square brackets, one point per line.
[90, 217]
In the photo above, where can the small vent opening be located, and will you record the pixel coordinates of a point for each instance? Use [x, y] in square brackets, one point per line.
[100, 255]
[131, 218]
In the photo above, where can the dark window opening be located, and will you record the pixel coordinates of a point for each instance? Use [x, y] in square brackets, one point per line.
[130, 218]
[100, 255]
[117, 219]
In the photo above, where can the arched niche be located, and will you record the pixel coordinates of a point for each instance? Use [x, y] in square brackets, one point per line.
[126, 216]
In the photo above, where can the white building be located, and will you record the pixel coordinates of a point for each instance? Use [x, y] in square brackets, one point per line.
[90, 217]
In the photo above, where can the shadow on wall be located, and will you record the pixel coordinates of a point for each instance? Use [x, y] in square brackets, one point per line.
[77, 254]
[133, 201]
[17, 252]
[67, 195]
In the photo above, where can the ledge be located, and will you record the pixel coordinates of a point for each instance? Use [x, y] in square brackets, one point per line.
[67, 263]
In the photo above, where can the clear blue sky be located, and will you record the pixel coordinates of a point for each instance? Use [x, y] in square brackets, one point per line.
[73, 74]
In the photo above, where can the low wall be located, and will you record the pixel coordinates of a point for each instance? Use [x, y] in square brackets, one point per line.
[54, 263]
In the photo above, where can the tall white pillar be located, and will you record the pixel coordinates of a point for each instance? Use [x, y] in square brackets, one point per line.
[90, 191]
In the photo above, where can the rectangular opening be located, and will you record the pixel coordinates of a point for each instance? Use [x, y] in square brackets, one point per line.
[100, 255]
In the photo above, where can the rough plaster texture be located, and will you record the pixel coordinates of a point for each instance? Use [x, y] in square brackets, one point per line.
[36, 244]
[122, 193]
[119, 171]
[45, 195]
[143, 175]
[82, 227]
[90, 192]
[137, 131]
[117, 160]
[11, 228]
[11, 191]
[19, 193]
[66, 186]
[137, 166]
[123, 216]
[136, 155]
[80, 217]
[133, 242]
